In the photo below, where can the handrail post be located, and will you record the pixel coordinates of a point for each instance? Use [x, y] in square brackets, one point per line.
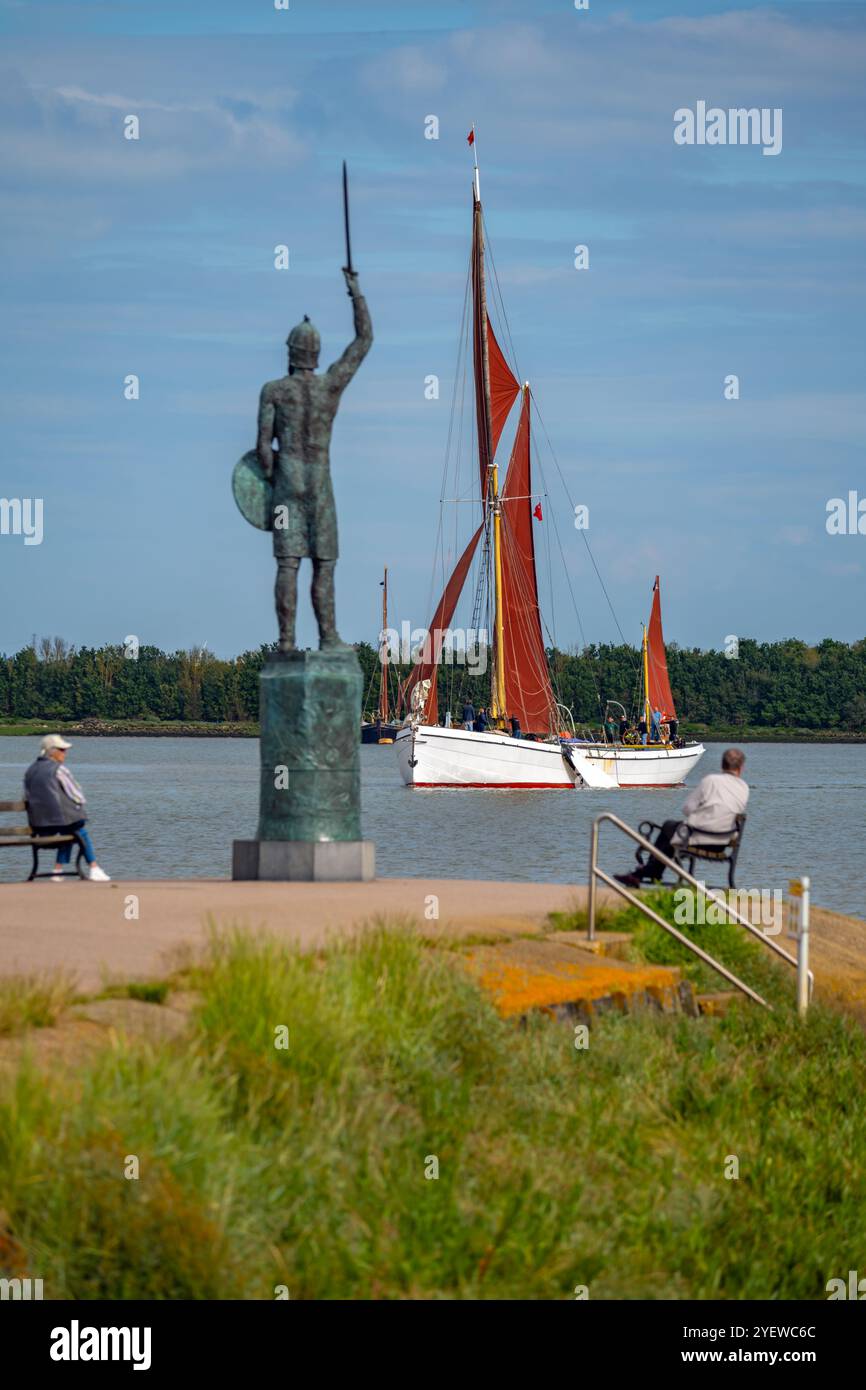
[803, 951]
[593, 866]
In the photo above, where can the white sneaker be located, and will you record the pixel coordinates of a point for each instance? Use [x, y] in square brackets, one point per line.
[56, 876]
[97, 875]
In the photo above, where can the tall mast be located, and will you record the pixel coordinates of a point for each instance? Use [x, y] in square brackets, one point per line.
[487, 423]
[646, 699]
[497, 675]
[383, 688]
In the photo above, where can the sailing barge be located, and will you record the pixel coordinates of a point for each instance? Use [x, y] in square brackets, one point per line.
[544, 756]
[381, 729]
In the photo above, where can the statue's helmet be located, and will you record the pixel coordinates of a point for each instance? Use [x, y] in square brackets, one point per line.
[304, 346]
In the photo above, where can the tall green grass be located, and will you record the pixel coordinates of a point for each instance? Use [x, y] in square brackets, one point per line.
[34, 1001]
[558, 1167]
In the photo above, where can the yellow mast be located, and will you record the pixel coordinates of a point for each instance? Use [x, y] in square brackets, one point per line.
[497, 703]
[646, 702]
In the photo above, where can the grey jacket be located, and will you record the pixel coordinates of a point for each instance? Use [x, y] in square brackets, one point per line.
[52, 800]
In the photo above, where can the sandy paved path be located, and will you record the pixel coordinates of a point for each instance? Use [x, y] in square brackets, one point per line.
[83, 927]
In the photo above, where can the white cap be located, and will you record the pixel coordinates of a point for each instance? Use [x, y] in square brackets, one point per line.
[53, 741]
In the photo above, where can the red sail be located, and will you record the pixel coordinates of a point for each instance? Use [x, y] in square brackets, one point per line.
[425, 668]
[503, 387]
[659, 692]
[528, 693]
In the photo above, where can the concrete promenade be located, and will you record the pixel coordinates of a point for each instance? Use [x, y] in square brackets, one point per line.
[84, 928]
[88, 930]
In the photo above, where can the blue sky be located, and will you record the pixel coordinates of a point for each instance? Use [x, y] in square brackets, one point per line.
[155, 257]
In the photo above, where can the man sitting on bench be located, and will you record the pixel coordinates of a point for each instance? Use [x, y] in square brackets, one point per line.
[55, 804]
[713, 806]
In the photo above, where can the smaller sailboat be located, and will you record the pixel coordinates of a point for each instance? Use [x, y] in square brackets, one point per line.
[380, 729]
[653, 754]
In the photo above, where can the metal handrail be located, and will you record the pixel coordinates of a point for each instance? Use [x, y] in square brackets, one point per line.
[684, 940]
[800, 964]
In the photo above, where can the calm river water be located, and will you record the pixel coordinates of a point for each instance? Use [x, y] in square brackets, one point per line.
[170, 808]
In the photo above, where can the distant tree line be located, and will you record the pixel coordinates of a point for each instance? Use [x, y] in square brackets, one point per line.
[771, 685]
[53, 680]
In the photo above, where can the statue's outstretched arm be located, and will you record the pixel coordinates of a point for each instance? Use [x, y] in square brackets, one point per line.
[340, 373]
[265, 444]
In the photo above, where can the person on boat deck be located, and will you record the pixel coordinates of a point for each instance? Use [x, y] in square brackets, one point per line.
[516, 731]
[469, 715]
[623, 729]
[448, 719]
[641, 728]
[673, 729]
[481, 721]
[713, 805]
[610, 728]
[55, 805]
[656, 726]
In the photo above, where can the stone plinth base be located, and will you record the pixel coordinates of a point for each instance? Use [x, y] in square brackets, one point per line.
[309, 861]
[310, 747]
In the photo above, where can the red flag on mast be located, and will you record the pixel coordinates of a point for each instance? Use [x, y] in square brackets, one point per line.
[537, 511]
[471, 136]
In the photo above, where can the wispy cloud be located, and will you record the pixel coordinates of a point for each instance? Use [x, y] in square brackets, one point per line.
[73, 133]
[156, 257]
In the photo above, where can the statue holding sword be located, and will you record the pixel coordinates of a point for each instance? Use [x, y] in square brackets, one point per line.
[287, 490]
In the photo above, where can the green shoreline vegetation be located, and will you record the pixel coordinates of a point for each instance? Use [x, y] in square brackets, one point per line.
[309, 1168]
[781, 690]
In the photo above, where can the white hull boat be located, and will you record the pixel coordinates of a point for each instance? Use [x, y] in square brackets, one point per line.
[430, 756]
[603, 767]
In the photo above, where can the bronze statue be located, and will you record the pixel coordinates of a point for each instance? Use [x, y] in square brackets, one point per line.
[288, 490]
[299, 411]
[310, 819]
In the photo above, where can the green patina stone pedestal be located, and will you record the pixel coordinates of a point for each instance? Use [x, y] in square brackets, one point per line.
[310, 787]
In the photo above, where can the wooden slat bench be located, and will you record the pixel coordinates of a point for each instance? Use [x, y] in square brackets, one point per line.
[724, 849]
[16, 836]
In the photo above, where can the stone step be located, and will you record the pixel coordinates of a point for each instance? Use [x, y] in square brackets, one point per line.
[717, 1003]
[563, 979]
[605, 943]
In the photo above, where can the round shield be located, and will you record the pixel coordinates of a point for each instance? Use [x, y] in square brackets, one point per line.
[253, 492]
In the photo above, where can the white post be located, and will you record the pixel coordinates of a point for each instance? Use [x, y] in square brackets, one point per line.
[803, 951]
[591, 887]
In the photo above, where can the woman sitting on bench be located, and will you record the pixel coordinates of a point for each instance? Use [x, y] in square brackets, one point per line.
[55, 804]
[713, 807]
